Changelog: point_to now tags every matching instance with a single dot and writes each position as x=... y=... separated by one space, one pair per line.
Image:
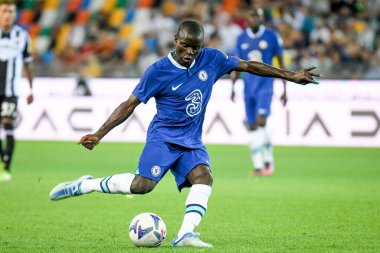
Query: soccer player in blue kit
x=259 y=43
x=181 y=84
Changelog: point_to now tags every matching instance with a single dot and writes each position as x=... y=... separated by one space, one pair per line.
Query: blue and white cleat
x=190 y=239
x=68 y=189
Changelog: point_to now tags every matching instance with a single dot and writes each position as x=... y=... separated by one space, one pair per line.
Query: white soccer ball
x=147 y=230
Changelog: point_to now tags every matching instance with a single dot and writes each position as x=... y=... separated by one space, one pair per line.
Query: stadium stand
x=120 y=38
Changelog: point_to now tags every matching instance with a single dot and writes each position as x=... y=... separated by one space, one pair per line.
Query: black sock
x=9 y=147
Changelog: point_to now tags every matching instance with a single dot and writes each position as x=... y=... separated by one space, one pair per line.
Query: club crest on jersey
x=263 y=44
x=202 y=75
x=155 y=170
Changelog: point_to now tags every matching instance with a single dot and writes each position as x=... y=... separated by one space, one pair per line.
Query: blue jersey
x=261 y=46
x=182 y=95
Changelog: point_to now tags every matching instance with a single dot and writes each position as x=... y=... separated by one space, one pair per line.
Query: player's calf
x=142 y=185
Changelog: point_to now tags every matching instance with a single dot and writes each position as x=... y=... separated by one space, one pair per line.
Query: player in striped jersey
x=14 y=54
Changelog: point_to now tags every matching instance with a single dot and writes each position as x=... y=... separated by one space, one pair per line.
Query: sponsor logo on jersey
x=195 y=105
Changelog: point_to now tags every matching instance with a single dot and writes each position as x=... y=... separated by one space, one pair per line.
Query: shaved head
x=192 y=28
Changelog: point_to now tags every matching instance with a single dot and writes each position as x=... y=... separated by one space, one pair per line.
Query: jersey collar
x=175 y=63
x=10 y=29
x=256 y=35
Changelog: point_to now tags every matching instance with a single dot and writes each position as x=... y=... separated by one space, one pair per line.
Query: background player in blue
x=181 y=84
x=259 y=43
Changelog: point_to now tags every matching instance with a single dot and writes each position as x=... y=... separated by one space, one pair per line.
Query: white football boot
x=68 y=189
x=190 y=239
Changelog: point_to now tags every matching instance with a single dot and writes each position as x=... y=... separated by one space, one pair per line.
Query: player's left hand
x=89 y=141
x=305 y=76
x=30 y=99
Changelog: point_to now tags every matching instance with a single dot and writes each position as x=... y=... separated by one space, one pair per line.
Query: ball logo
x=156 y=171
x=202 y=75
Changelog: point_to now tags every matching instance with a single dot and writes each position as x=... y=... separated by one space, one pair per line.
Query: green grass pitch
x=318 y=200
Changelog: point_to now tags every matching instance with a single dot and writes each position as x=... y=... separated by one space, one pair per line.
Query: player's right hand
x=89 y=141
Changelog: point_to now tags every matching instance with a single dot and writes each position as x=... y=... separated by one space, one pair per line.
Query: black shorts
x=8 y=107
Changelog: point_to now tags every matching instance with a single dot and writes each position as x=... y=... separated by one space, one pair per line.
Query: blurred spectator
x=82 y=88
x=321 y=33
x=228 y=31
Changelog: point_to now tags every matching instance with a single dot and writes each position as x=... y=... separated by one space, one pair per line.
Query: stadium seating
x=54 y=25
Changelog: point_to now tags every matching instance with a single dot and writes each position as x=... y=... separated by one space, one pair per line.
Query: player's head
x=7 y=13
x=255 y=18
x=188 y=41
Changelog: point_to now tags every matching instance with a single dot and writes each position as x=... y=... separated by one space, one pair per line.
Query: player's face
x=187 y=46
x=255 y=18
x=7 y=15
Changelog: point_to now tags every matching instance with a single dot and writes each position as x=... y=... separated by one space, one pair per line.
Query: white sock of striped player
x=268 y=147
x=119 y=183
x=196 y=205
x=256 y=145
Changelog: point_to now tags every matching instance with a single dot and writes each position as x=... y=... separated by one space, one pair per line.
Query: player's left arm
x=118 y=116
x=28 y=66
x=302 y=76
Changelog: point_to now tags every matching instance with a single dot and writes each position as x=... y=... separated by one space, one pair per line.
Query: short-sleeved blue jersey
x=261 y=46
x=182 y=95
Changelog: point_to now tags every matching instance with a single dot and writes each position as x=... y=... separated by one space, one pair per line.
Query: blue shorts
x=257 y=105
x=159 y=157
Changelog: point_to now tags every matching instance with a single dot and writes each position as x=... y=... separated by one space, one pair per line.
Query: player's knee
x=8 y=127
x=252 y=127
x=6 y=121
x=201 y=176
x=261 y=121
x=142 y=185
x=207 y=177
x=262 y=124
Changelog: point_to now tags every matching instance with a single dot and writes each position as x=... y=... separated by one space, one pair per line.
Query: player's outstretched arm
x=118 y=116
x=302 y=76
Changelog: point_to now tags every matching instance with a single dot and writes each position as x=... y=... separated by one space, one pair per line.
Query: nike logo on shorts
x=174 y=88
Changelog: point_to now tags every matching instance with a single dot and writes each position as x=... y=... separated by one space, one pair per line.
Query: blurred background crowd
x=121 y=38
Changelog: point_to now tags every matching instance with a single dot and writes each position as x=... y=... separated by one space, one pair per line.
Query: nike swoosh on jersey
x=176 y=87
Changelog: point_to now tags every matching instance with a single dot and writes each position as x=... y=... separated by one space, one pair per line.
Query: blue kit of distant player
x=261 y=46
